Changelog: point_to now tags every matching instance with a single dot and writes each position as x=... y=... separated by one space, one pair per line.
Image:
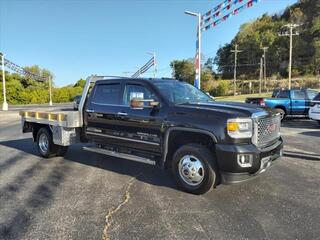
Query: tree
x=263 y=32
x=183 y=70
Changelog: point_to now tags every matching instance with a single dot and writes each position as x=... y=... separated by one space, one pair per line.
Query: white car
x=314 y=111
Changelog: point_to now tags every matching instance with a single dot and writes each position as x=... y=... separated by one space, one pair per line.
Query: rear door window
x=107 y=93
x=283 y=94
x=298 y=94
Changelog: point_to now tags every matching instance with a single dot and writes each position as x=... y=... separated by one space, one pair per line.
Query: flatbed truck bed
x=67 y=119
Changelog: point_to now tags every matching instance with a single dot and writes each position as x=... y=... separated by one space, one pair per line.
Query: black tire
x=210 y=170
x=282 y=113
x=50 y=150
x=62 y=150
x=319 y=122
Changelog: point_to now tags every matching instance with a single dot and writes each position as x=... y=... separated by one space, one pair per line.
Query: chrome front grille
x=266 y=130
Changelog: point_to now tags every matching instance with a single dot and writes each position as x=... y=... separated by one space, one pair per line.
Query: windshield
x=181 y=92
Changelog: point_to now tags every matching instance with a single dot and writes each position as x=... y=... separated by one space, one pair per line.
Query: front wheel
x=194 y=169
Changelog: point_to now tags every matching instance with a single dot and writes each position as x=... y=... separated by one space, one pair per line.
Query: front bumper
x=263 y=159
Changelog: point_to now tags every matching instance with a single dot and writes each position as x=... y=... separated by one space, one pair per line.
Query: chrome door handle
x=90 y=111
x=122 y=113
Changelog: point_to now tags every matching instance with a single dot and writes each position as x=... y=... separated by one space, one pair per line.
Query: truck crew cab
x=168 y=123
x=287 y=102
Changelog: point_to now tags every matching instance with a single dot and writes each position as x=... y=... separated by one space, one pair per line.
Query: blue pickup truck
x=287 y=102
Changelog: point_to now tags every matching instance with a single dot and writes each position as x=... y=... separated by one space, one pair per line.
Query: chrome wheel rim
x=191 y=170
x=43 y=143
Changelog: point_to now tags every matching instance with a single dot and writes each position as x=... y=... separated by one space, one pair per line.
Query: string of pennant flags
x=18 y=69
x=209 y=17
x=215 y=12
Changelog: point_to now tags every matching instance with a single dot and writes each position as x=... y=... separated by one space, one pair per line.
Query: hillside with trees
x=269 y=31
x=266 y=31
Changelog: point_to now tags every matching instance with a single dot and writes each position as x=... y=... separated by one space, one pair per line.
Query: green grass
x=241 y=98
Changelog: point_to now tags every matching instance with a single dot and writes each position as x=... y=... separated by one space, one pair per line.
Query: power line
x=144 y=68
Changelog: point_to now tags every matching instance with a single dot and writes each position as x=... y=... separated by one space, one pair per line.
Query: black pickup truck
x=168 y=123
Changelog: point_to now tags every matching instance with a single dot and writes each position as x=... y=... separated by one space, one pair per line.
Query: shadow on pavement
x=300 y=123
x=311 y=134
x=16 y=226
x=304 y=156
x=145 y=173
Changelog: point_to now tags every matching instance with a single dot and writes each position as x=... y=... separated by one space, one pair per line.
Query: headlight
x=240 y=128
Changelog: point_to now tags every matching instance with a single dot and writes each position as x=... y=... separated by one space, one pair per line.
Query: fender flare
x=170 y=129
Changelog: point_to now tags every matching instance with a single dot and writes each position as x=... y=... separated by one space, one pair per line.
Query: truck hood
x=232 y=109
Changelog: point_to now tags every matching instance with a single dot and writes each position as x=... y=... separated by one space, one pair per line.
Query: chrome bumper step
x=120 y=155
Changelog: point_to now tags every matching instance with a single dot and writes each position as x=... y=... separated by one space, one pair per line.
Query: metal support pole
x=235 y=72
x=199 y=49
x=290 y=57
x=4 y=104
x=50 y=91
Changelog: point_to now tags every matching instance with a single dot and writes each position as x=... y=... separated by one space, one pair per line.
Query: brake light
x=261 y=102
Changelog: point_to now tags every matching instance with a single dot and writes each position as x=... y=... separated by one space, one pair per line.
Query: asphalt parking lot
x=91 y=196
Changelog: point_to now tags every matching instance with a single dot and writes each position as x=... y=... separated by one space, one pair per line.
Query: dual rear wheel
x=45 y=144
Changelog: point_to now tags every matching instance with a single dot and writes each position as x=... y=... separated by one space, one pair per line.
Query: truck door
x=102 y=112
x=298 y=102
x=140 y=127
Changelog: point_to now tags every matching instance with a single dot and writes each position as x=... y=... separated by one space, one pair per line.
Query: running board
x=120 y=155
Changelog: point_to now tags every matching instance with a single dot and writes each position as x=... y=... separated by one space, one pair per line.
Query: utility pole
x=235 y=51
x=4 y=104
x=291 y=26
x=173 y=70
x=261 y=75
x=198 y=50
x=265 y=66
x=50 y=90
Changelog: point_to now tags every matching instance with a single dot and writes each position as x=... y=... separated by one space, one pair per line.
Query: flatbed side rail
x=67 y=119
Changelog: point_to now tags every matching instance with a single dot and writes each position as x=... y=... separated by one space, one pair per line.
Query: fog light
x=245 y=160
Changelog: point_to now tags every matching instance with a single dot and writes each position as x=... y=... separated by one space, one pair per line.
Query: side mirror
x=137 y=103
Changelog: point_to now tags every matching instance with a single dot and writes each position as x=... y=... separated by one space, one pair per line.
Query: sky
x=77 y=38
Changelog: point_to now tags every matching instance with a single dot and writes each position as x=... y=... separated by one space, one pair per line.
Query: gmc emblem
x=271 y=128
